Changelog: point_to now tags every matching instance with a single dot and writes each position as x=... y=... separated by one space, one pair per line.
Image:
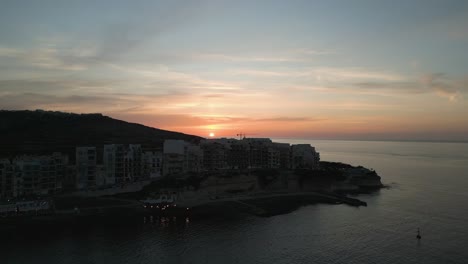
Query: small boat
x=162 y=202
x=418 y=236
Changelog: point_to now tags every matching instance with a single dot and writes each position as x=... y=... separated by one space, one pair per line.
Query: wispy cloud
x=354 y=73
x=285 y=56
x=92 y=103
x=233 y=58
x=288 y=119
x=359 y=81
x=265 y=73
x=226 y=125
x=54 y=58
x=314 y=52
x=324 y=74
x=444 y=86
x=151 y=96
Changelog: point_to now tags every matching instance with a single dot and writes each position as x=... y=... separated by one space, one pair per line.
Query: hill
x=44 y=132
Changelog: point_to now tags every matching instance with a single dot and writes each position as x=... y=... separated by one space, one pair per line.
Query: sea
x=427 y=188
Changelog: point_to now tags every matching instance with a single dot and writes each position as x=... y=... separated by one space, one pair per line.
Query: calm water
x=428 y=189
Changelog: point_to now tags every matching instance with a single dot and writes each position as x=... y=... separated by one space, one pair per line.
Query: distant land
x=251 y=175
x=44 y=132
x=378 y=140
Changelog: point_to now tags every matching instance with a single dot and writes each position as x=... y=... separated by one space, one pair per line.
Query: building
x=70 y=178
x=238 y=155
x=273 y=158
x=29 y=173
x=101 y=177
x=8 y=180
x=123 y=164
x=215 y=154
x=258 y=154
x=60 y=162
x=304 y=156
x=86 y=162
x=247 y=153
x=263 y=154
x=40 y=175
x=284 y=154
x=153 y=164
x=174 y=157
x=134 y=164
x=181 y=157
x=193 y=158
x=114 y=165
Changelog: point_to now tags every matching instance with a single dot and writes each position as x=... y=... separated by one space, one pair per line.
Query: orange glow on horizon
x=331 y=128
x=320 y=126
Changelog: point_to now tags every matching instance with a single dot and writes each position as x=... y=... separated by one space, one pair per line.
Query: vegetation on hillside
x=44 y=132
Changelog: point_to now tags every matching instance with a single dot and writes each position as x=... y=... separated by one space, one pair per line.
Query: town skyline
x=309 y=70
x=122 y=165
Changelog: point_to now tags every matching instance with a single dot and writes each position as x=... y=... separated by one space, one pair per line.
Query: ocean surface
x=427 y=188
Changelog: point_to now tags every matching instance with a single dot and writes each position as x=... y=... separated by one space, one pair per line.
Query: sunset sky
x=392 y=70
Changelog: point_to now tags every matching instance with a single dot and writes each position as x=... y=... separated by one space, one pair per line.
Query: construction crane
x=242 y=135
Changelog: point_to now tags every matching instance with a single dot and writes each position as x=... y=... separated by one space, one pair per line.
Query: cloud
x=264 y=73
x=445 y=86
x=220 y=120
x=312 y=52
x=354 y=73
x=54 y=58
x=401 y=87
x=324 y=74
x=163 y=76
x=9 y=52
x=214 y=95
x=190 y=121
x=234 y=58
x=43 y=101
x=43 y=86
x=439 y=83
x=288 y=119
x=112 y=77
x=358 y=80
x=90 y=102
x=146 y=25
x=160 y=120
x=170 y=92
x=57 y=86
x=287 y=56
x=112 y=40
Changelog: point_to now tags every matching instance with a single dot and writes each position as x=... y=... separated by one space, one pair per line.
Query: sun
x=212 y=134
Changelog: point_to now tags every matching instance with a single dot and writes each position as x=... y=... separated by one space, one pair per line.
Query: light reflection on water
x=427 y=189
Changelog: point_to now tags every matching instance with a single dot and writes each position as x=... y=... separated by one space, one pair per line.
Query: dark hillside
x=43 y=132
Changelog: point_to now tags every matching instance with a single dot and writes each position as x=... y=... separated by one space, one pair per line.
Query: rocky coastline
x=259 y=193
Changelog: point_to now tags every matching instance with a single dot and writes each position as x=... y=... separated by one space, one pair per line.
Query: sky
x=364 y=70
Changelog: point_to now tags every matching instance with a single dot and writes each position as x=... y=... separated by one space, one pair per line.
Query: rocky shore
x=261 y=193
x=265 y=205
